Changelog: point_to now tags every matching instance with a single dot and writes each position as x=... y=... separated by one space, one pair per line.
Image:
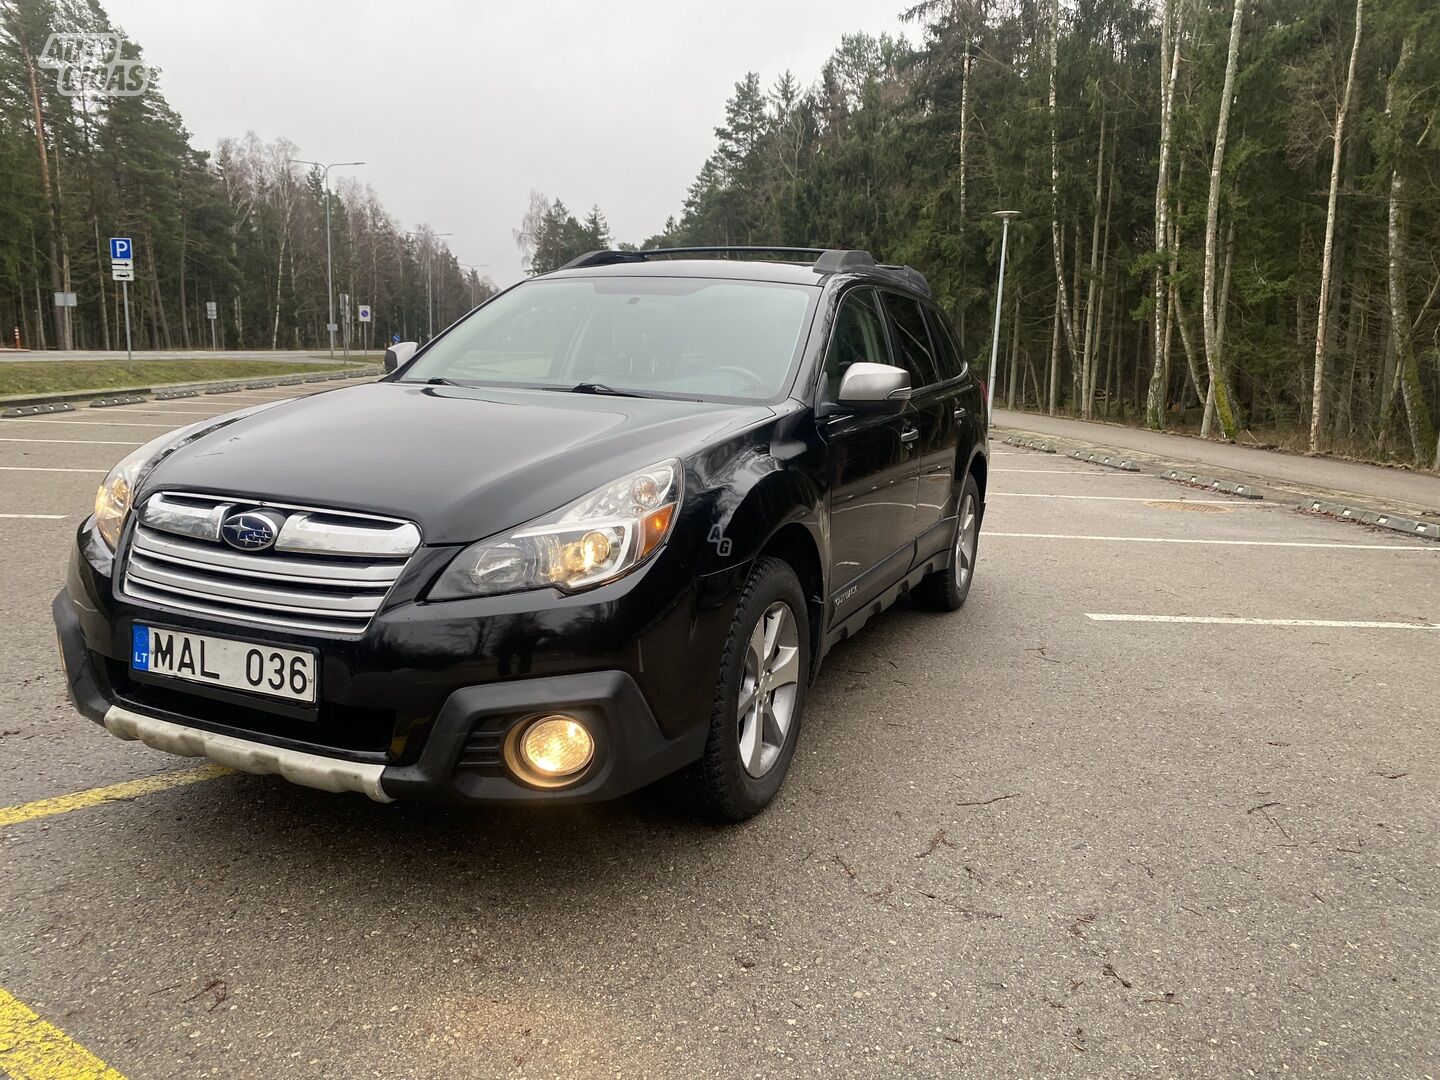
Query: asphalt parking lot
x=1017 y=841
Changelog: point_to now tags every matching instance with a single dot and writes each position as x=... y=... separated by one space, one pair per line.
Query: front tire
x=759 y=696
x=947 y=588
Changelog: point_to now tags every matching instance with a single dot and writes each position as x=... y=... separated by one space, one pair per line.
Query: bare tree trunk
x=1222 y=308
x=1402 y=330
x=1092 y=299
x=1208 y=317
x=163 y=321
x=1055 y=354
x=1055 y=237
x=964 y=127
x=100 y=278
x=1014 y=353
x=1201 y=391
x=1322 y=313
x=1169 y=71
x=46 y=190
x=279 y=280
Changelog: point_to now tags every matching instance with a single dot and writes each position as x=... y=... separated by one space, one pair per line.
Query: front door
x=873 y=471
x=934 y=403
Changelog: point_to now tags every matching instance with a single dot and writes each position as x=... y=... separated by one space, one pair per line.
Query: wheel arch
x=794 y=544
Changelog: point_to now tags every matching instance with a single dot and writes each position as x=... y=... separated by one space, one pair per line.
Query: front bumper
x=420 y=706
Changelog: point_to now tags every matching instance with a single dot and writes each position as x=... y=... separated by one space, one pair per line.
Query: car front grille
x=327 y=570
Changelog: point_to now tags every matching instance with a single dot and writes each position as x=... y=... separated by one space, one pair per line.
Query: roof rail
x=825 y=260
x=734 y=249
x=836 y=260
x=602 y=258
x=909 y=275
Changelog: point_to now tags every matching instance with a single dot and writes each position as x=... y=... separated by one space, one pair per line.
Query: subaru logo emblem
x=251 y=530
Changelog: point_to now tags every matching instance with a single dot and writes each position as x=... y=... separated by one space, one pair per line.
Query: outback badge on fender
x=252 y=530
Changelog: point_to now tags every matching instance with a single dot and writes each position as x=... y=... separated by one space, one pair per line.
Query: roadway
x=1301 y=472
x=110 y=355
x=1074 y=829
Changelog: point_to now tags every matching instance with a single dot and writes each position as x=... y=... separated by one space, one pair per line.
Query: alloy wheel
x=768 y=689
x=966 y=535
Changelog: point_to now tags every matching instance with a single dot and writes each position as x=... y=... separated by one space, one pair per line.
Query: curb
x=1210 y=483
x=22 y=401
x=1031 y=444
x=1380 y=518
x=34 y=410
x=1099 y=457
x=106 y=403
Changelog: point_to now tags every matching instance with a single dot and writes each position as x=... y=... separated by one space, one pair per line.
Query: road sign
x=364 y=312
x=121 y=248
x=123 y=264
x=65 y=299
x=332 y=327
x=122 y=273
x=210 y=309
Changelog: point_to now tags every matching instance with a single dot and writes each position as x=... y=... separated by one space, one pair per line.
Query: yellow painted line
x=130 y=789
x=33 y=1049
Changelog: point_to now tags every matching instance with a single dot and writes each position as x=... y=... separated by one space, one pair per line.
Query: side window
x=912 y=340
x=952 y=364
x=859 y=335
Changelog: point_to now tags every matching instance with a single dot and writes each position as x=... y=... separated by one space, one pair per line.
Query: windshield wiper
x=598 y=388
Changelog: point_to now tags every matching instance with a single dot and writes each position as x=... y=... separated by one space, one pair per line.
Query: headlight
x=593 y=540
x=113 y=500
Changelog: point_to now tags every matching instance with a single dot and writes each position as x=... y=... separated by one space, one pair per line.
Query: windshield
x=666 y=337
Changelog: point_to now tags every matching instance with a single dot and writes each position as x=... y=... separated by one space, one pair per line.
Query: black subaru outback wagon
x=603 y=528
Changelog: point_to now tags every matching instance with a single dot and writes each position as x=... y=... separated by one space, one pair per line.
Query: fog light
x=556 y=747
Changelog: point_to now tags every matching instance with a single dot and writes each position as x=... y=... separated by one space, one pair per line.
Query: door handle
x=960 y=413
x=909 y=435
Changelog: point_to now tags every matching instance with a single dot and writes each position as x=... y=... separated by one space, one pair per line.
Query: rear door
x=933 y=400
x=873 y=481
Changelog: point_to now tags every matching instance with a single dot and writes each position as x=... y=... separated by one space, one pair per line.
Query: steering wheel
x=735 y=369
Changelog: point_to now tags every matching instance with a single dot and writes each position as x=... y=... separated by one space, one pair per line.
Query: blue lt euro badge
x=140 y=648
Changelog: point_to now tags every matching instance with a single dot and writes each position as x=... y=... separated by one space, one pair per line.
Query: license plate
x=235 y=665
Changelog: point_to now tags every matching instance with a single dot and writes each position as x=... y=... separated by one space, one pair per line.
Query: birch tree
x=1322 y=313
x=1171 y=25
x=1215 y=371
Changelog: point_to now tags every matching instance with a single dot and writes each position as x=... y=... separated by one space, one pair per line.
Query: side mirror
x=868 y=387
x=398 y=354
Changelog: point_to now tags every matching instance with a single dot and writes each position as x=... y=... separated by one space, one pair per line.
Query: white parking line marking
x=77 y=442
x=36 y=468
x=1122 y=498
x=35 y=517
x=1236 y=543
x=1066 y=472
x=87 y=423
x=1219 y=620
x=169 y=412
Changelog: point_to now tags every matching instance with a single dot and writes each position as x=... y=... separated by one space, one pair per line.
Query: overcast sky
x=460 y=109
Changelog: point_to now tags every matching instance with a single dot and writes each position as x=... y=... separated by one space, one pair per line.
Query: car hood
x=463 y=463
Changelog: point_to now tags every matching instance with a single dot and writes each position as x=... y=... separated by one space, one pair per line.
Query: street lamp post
x=430 y=283
x=329 y=267
x=1004 y=216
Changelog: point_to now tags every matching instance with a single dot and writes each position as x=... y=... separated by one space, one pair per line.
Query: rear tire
x=759 y=695
x=946 y=589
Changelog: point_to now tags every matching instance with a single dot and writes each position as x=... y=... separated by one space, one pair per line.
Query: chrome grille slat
x=232 y=592
x=137 y=592
x=225 y=560
x=346 y=567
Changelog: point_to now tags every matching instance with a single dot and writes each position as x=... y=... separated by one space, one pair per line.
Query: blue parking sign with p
x=121 y=248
